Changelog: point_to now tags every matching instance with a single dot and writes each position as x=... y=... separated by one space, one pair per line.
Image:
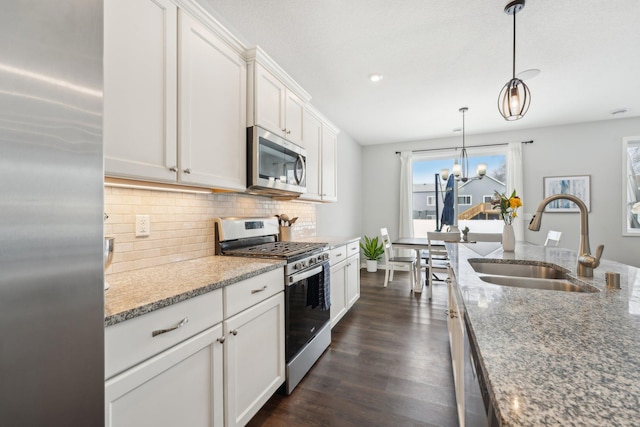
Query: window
x=631 y=186
x=426 y=191
x=464 y=200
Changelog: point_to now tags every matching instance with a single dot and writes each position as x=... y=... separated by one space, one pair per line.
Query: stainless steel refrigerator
x=51 y=213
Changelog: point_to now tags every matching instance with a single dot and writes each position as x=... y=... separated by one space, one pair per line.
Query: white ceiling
x=438 y=56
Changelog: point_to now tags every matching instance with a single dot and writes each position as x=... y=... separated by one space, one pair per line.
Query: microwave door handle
x=304 y=275
x=303 y=167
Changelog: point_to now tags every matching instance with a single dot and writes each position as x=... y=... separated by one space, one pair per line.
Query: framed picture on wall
x=579 y=186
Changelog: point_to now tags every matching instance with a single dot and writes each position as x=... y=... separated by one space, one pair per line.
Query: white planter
x=372 y=265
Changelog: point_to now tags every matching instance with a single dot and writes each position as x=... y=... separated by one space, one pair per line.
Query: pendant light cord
x=514 y=41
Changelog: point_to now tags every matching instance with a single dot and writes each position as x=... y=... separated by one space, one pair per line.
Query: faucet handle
x=591 y=261
x=599 y=251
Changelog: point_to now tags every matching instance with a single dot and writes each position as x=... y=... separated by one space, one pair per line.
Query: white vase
x=508 y=238
x=372 y=265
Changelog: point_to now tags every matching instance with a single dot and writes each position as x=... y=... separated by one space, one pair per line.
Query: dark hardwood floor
x=388 y=365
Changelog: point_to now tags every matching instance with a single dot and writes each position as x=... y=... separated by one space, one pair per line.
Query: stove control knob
x=297 y=266
x=304 y=263
x=312 y=260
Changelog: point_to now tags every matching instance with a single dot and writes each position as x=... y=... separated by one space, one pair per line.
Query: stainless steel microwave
x=275 y=166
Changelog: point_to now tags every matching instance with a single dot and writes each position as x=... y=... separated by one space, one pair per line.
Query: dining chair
x=484 y=237
x=438 y=260
x=553 y=238
x=392 y=261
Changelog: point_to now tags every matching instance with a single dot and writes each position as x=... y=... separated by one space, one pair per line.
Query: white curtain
x=515 y=181
x=405 y=226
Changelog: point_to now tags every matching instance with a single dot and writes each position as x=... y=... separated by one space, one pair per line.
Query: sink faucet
x=586 y=261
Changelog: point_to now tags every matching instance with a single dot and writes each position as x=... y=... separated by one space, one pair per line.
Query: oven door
x=275 y=165
x=304 y=316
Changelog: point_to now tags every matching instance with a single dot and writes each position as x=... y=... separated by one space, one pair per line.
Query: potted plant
x=464 y=234
x=372 y=250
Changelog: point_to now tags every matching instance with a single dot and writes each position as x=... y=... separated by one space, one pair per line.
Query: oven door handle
x=305 y=274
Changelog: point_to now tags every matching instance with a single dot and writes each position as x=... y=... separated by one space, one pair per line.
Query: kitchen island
x=554 y=357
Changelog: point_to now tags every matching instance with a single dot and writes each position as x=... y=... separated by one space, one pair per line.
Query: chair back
x=444 y=236
x=386 y=243
x=484 y=237
x=553 y=238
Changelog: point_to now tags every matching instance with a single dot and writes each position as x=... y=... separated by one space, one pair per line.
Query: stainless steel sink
x=520 y=270
x=535 y=283
x=531 y=275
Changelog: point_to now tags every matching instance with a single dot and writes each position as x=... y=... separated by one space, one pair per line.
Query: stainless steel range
x=306 y=283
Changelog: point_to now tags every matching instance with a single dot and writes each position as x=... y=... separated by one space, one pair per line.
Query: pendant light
x=461 y=166
x=515 y=97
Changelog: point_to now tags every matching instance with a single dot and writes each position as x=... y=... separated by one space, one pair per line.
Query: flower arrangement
x=508 y=206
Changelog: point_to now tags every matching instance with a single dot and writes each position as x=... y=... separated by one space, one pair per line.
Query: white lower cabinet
x=254 y=358
x=455 y=324
x=212 y=360
x=338 y=294
x=345 y=279
x=180 y=386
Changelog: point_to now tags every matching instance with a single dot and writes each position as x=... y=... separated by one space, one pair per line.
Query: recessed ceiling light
x=375 y=77
x=619 y=111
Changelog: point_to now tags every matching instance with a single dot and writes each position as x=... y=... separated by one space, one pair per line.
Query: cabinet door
x=179 y=387
x=338 y=292
x=294 y=112
x=455 y=325
x=140 y=40
x=254 y=358
x=212 y=110
x=311 y=141
x=353 y=280
x=269 y=93
x=329 y=165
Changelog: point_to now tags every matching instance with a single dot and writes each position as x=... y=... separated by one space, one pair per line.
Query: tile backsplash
x=182 y=223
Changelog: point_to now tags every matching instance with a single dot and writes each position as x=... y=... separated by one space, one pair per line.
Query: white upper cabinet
x=140 y=86
x=159 y=78
x=275 y=102
x=212 y=109
x=320 y=139
x=312 y=142
x=329 y=164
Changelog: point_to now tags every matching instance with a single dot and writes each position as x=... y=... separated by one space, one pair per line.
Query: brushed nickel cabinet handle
x=164 y=331
x=187 y=170
x=255 y=291
x=234 y=332
x=173 y=169
x=220 y=340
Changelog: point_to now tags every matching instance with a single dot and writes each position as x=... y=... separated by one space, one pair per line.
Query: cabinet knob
x=187 y=170
x=288 y=132
x=234 y=332
x=173 y=169
x=221 y=340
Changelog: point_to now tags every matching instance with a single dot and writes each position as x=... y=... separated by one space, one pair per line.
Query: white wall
x=344 y=218
x=582 y=149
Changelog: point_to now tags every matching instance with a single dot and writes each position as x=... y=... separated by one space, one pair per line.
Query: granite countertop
x=134 y=293
x=553 y=357
x=332 y=241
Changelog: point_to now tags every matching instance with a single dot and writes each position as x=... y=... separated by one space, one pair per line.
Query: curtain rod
x=456 y=148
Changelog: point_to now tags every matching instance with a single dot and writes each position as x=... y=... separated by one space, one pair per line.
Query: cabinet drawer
x=130 y=342
x=338 y=254
x=244 y=294
x=353 y=248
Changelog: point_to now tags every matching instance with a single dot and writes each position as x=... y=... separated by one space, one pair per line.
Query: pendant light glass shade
x=514 y=100
x=515 y=97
